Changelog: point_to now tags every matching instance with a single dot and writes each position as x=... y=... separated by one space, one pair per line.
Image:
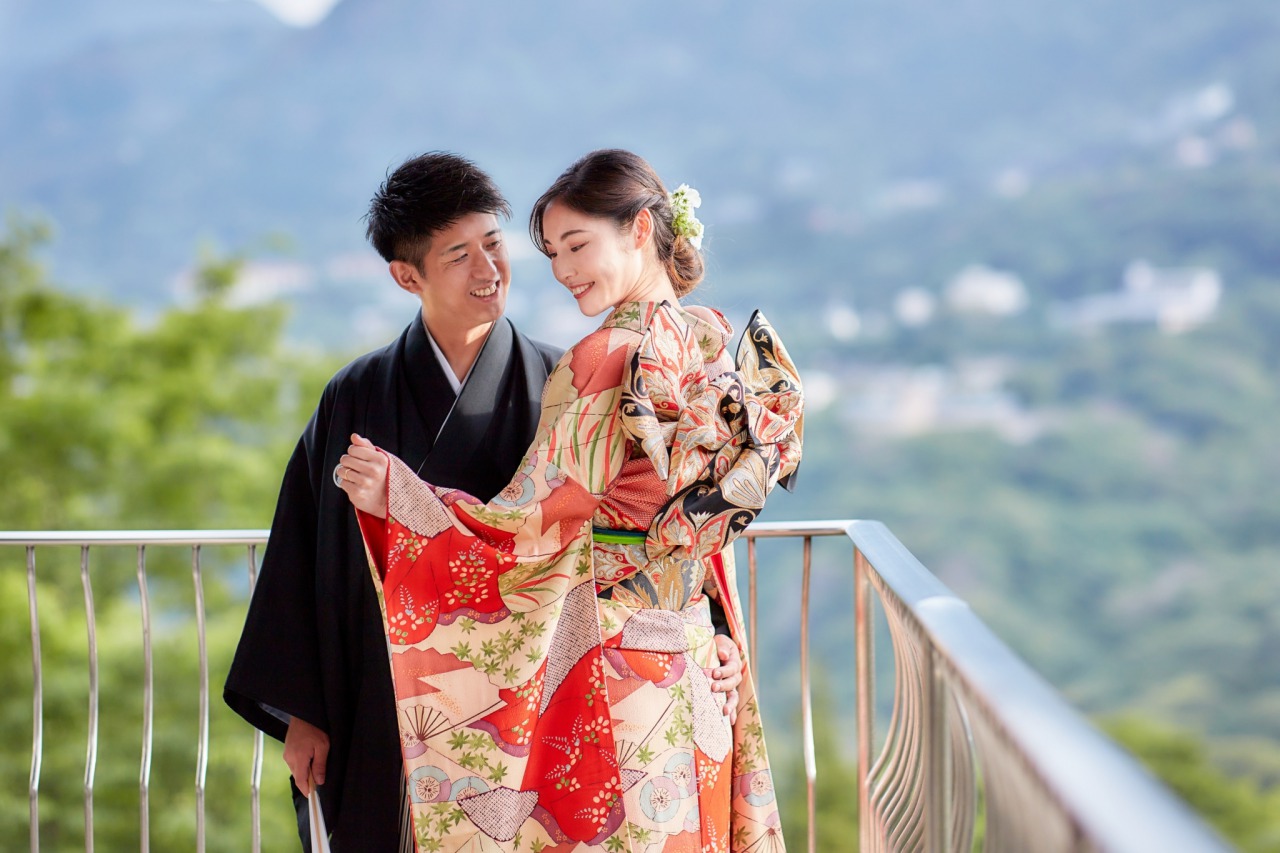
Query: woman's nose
x=559 y=269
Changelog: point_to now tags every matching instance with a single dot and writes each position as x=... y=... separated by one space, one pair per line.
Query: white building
x=978 y=289
x=1172 y=299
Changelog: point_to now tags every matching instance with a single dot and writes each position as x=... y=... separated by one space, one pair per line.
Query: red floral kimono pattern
x=550 y=688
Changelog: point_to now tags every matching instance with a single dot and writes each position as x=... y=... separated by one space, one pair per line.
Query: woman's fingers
x=368 y=467
x=362 y=474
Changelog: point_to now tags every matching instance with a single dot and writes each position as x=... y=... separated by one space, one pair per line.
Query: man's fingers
x=318 y=762
x=360 y=440
x=299 y=771
x=306 y=750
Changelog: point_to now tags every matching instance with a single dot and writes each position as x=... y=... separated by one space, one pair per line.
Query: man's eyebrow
x=463 y=244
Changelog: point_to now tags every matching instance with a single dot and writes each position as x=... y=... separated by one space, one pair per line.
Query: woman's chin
x=591 y=308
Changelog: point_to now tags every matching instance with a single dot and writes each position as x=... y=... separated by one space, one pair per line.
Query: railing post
x=806 y=699
x=864 y=660
x=202 y=746
x=255 y=781
x=148 y=705
x=91 y=750
x=936 y=772
x=37 y=711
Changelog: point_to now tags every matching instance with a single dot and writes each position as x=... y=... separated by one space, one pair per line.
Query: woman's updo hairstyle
x=616 y=184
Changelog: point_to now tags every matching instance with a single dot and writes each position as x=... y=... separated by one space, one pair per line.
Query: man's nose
x=484 y=266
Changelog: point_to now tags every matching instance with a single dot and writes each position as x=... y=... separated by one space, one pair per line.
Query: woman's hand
x=726 y=677
x=362 y=474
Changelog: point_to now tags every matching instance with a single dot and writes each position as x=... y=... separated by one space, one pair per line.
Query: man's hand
x=726 y=677
x=306 y=751
x=362 y=474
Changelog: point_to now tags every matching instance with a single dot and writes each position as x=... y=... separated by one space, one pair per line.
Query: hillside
x=1103 y=492
x=143 y=131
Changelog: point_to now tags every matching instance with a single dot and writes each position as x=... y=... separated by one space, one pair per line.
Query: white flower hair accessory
x=684 y=222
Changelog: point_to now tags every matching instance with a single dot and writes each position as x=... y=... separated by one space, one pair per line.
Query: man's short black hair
x=423 y=196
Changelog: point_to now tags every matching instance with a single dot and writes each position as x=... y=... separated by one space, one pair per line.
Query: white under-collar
x=454 y=382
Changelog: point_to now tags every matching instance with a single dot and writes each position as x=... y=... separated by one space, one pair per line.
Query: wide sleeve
x=441 y=554
x=276 y=671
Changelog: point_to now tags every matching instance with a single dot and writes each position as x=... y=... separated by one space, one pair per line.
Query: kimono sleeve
x=457 y=550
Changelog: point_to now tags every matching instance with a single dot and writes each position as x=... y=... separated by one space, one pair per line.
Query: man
x=457 y=395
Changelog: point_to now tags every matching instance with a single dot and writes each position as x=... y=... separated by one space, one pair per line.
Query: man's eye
x=495 y=244
x=457 y=260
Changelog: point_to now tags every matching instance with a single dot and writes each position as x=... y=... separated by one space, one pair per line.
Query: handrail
x=33 y=538
x=974 y=729
x=1111 y=802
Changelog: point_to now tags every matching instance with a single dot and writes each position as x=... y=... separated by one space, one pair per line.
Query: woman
x=548 y=647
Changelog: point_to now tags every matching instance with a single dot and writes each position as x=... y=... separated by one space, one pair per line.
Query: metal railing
x=140 y=540
x=976 y=753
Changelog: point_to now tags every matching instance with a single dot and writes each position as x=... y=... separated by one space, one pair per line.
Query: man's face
x=465 y=274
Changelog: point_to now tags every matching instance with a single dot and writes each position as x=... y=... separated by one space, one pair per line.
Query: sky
x=299 y=13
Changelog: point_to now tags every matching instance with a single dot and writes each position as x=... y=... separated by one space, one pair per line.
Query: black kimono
x=313 y=645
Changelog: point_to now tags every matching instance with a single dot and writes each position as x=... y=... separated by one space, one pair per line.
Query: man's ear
x=407 y=276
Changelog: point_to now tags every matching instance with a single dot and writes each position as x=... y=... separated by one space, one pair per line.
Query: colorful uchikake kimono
x=548 y=648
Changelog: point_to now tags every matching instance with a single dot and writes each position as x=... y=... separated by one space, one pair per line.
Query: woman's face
x=600 y=265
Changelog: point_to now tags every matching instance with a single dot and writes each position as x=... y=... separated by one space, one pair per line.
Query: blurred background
x=1026 y=254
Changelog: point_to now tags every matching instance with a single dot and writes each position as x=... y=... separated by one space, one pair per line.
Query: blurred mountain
x=141 y=128
x=918 y=193
x=35 y=35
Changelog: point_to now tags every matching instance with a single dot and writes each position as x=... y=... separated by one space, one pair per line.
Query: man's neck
x=460 y=345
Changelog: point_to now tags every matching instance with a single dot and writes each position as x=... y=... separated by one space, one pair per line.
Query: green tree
x=108 y=421
x=836 y=785
x=1243 y=812
x=182 y=421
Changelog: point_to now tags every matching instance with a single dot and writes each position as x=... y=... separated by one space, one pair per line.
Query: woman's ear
x=642 y=227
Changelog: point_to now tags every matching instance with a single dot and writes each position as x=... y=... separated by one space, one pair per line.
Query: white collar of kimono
x=454 y=382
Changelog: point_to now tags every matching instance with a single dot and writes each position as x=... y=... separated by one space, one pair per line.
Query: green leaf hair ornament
x=684 y=222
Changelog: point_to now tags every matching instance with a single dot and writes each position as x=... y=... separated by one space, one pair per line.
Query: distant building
x=978 y=289
x=914 y=307
x=843 y=322
x=1172 y=299
x=904 y=400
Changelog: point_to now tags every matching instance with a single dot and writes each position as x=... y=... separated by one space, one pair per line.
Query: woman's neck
x=653 y=286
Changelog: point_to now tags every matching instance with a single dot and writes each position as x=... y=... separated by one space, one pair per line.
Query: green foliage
x=109 y=422
x=1244 y=812
x=836 y=784
x=182 y=421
